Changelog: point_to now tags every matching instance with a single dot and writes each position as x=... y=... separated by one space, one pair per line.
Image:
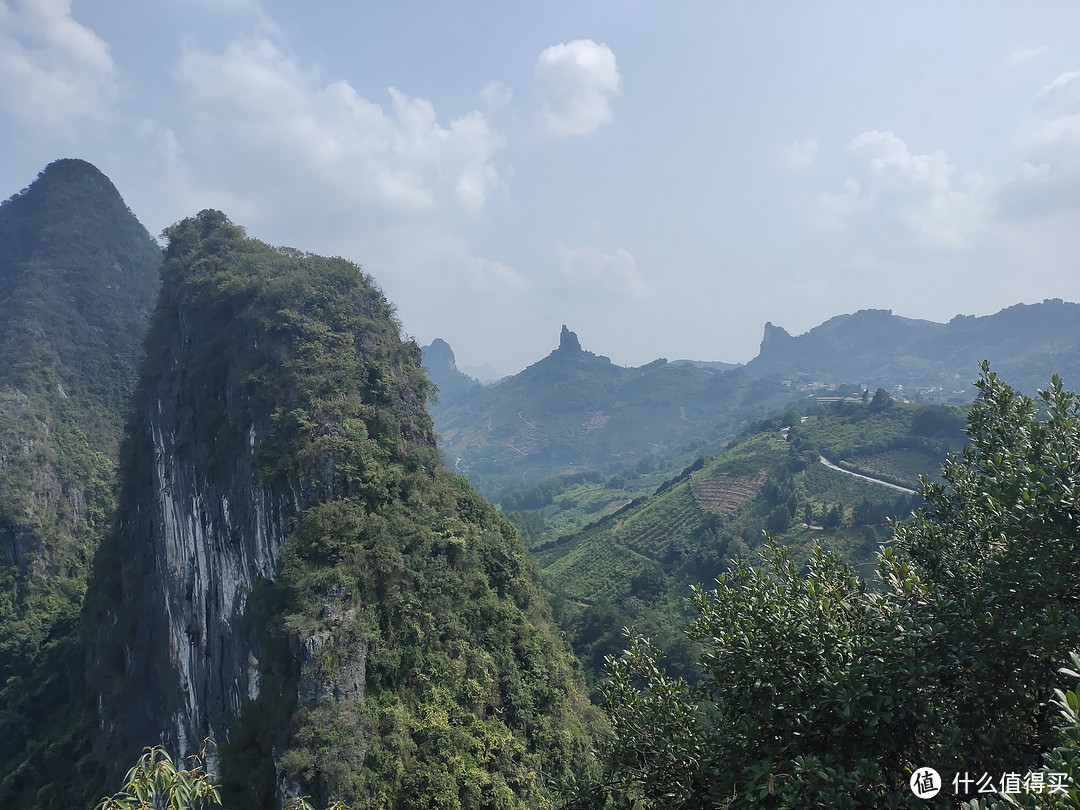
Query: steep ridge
x=78 y=277
x=294 y=574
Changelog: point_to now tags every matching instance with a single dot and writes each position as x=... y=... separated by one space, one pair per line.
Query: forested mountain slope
x=296 y=575
x=78 y=278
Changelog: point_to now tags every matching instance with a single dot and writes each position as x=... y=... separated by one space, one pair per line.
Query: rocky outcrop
x=452 y=383
x=774 y=338
x=273 y=381
x=568 y=341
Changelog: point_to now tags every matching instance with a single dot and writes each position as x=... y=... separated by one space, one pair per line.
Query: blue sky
x=662 y=178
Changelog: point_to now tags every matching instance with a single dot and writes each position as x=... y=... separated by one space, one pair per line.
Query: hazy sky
x=661 y=177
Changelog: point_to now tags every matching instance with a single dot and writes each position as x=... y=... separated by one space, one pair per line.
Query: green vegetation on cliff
x=406 y=654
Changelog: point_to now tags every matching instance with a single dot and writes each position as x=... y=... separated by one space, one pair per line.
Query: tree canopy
x=818 y=689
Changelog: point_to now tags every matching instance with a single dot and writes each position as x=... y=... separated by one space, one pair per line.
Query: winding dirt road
x=832 y=466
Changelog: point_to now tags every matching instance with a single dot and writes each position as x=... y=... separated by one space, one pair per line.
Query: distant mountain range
x=576 y=411
x=1025 y=344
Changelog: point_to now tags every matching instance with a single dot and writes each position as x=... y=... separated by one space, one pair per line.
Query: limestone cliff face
x=198 y=529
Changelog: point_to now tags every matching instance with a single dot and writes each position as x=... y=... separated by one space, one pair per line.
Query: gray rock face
x=324 y=672
x=568 y=341
x=177 y=652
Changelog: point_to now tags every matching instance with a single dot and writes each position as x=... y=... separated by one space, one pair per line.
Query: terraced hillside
x=722 y=493
x=632 y=567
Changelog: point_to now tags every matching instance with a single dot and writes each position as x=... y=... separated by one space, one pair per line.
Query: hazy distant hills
x=439 y=360
x=712 y=365
x=576 y=411
x=1025 y=344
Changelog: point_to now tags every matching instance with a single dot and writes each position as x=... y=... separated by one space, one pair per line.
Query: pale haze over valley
x=662 y=179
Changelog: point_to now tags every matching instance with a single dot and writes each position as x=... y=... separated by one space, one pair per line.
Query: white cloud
x=1048 y=179
x=577 y=81
x=54 y=72
x=1055 y=128
x=496 y=96
x=492 y=276
x=614 y=273
x=276 y=120
x=916 y=194
x=920 y=194
x=1063 y=91
x=171 y=169
x=1022 y=55
x=798 y=155
x=891 y=160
